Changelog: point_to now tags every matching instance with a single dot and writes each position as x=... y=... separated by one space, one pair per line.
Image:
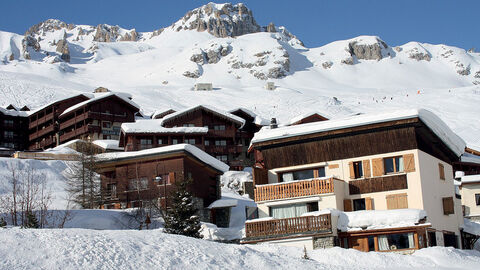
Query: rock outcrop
x=62 y=49
x=106 y=33
x=366 y=51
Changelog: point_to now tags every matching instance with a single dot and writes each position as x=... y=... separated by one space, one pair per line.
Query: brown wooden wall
x=378 y=184
x=340 y=147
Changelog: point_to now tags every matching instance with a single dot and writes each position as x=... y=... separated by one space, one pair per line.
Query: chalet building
x=130 y=179
x=470 y=193
x=210 y=129
x=97 y=118
x=374 y=164
x=13 y=126
x=307 y=118
x=161 y=114
x=43 y=122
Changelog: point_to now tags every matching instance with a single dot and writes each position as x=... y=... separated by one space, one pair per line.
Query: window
x=448 y=205
x=357 y=169
x=8 y=123
x=303 y=174
x=175 y=141
x=223 y=158
x=393 y=164
x=112 y=190
x=371 y=243
x=107 y=137
x=160 y=141
x=207 y=142
x=450 y=239
x=219 y=127
x=441 y=171
x=145 y=141
x=8 y=134
x=289 y=211
x=396 y=241
x=477 y=198
x=190 y=141
x=106 y=124
x=359 y=204
x=138 y=184
x=164 y=180
x=312 y=207
x=432 y=239
x=188 y=125
x=221 y=142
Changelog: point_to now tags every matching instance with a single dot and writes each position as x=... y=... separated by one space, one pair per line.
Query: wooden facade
x=13 y=129
x=99 y=119
x=378 y=184
x=43 y=123
x=224 y=139
x=130 y=182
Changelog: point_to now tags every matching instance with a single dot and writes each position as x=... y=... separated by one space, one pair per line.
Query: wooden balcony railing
x=41 y=132
x=293 y=189
x=40 y=120
x=283 y=227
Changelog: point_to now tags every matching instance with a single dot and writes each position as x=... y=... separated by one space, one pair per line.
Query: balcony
x=41 y=120
x=293 y=189
x=275 y=228
x=378 y=184
x=41 y=132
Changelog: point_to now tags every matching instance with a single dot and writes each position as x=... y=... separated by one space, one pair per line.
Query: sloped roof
x=88 y=96
x=101 y=96
x=452 y=140
x=226 y=115
x=193 y=150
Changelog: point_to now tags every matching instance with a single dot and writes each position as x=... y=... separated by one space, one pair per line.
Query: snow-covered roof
x=303 y=116
x=13 y=112
x=452 y=140
x=155 y=126
x=196 y=152
x=470 y=158
x=374 y=219
x=162 y=112
x=59 y=100
x=223 y=203
x=100 y=96
x=250 y=113
x=471 y=227
x=108 y=144
x=213 y=110
x=471 y=179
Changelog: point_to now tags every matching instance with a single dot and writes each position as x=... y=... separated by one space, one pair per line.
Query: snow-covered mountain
x=224 y=45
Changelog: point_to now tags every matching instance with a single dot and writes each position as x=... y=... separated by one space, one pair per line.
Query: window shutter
x=377 y=164
x=171 y=177
x=352 y=170
x=347 y=205
x=260 y=176
x=397 y=201
x=366 y=168
x=441 y=171
x=409 y=163
x=368 y=203
x=448 y=205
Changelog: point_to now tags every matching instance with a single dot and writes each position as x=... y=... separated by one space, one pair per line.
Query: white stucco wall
x=468 y=192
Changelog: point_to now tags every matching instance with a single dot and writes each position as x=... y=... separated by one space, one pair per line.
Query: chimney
x=273 y=123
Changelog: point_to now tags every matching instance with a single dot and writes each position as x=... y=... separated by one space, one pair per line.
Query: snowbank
x=151 y=249
x=108 y=144
x=233 y=180
x=471 y=178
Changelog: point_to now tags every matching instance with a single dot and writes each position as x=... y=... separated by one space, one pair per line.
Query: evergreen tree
x=32 y=221
x=182 y=217
x=3 y=223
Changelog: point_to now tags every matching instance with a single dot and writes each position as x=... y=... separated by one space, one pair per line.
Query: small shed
x=203 y=87
x=270 y=86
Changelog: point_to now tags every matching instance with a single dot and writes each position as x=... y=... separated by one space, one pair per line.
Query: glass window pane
x=399 y=164
x=388 y=162
x=321 y=172
x=300 y=175
x=371 y=243
x=287 y=177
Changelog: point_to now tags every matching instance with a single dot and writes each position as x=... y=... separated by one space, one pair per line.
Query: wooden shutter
x=448 y=206
x=366 y=168
x=368 y=203
x=409 y=163
x=347 y=205
x=352 y=170
x=397 y=201
x=171 y=177
x=441 y=171
x=377 y=164
x=260 y=176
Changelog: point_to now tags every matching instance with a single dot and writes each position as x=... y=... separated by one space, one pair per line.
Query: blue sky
x=315 y=22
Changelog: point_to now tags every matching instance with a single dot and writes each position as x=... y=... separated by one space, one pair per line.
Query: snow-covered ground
x=152 y=249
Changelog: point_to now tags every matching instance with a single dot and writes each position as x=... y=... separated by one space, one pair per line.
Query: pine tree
x=182 y=217
x=32 y=221
x=3 y=223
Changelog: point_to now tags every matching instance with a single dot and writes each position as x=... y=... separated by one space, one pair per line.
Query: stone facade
x=325 y=242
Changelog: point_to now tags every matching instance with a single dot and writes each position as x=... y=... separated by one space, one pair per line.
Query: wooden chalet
x=208 y=128
x=97 y=118
x=245 y=134
x=368 y=162
x=13 y=127
x=43 y=122
x=130 y=179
